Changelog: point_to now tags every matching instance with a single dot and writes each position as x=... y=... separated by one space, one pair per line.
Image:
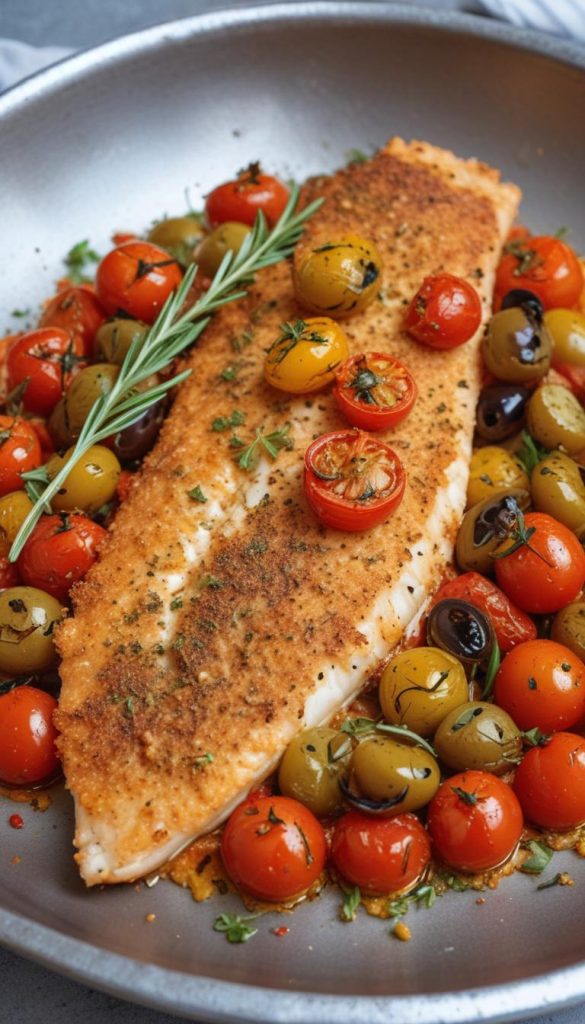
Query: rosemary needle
x=174 y=330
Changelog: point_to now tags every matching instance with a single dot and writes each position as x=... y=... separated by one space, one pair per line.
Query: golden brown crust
x=274 y=597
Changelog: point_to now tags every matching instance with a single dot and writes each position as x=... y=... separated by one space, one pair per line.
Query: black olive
x=500 y=411
x=525 y=299
x=136 y=440
x=461 y=630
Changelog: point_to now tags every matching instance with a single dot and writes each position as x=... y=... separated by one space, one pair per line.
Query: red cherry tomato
x=241 y=199
x=511 y=626
x=59 y=552
x=352 y=480
x=78 y=311
x=374 y=391
x=543 y=265
x=541 y=684
x=274 y=848
x=545 y=573
x=475 y=821
x=381 y=855
x=48 y=359
x=9 y=574
x=137 y=278
x=45 y=440
x=550 y=782
x=19 y=451
x=445 y=312
x=27 y=736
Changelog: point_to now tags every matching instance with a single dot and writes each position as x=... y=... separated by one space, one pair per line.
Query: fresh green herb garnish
x=78 y=260
x=196 y=494
x=530 y=453
x=271 y=443
x=203 y=760
x=351 y=902
x=20 y=312
x=235 y=927
x=174 y=331
x=540 y=857
x=491 y=671
x=551 y=881
x=360 y=726
x=356 y=156
x=235 y=419
x=290 y=335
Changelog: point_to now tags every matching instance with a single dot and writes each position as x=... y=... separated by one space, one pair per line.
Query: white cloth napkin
x=17 y=60
x=560 y=17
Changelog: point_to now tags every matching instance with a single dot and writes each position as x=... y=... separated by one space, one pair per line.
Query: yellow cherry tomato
x=567 y=330
x=420 y=687
x=14 y=508
x=305 y=355
x=338 y=278
x=90 y=484
x=492 y=469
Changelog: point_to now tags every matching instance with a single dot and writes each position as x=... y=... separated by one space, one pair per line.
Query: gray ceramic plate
x=111 y=139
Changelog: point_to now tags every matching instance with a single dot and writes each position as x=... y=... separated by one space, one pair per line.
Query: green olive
x=14 y=508
x=557 y=488
x=493 y=469
x=338 y=278
x=90 y=484
x=568 y=628
x=517 y=346
x=312 y=765
x=485 y=526
x=555 y=417
x=211 y=250
x=403 y=777
x=27 y=617
x=85 y=388
x=179 y=235
x=479 y=736
x=420 y=686
x=113 y=339
x=567 y=330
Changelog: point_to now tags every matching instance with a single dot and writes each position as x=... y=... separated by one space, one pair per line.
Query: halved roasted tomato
x=374 y=391
x=352 y=480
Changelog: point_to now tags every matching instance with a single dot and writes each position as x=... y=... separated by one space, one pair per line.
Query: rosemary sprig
x=174 y=331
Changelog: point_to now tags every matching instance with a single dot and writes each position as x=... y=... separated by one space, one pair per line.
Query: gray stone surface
x=28 y=993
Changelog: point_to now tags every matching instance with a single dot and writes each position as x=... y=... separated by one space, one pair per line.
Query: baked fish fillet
x=211 y=631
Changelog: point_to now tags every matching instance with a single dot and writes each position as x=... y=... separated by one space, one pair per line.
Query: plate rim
x=68 y=68
x=220 y=1000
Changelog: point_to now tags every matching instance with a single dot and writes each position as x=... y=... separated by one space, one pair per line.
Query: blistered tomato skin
x=241 y=199
x=444 y=313
x=511 y=625
x=59 y=552
x=304 y=356
x=550 y=782
x=20 y=450
x=541 y=684
x=475 y=821
x=76 y=310
x=339 y=278
x=137 y=278
x=543 y=265
x=274 y=848
x=44 y=362
x=545 y=574
x=381 y=855
x=27 y=737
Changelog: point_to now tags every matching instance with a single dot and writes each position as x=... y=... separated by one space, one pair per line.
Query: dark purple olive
x=136 y=440
x=501 y=411
x=462 y=630
x=523 y=298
